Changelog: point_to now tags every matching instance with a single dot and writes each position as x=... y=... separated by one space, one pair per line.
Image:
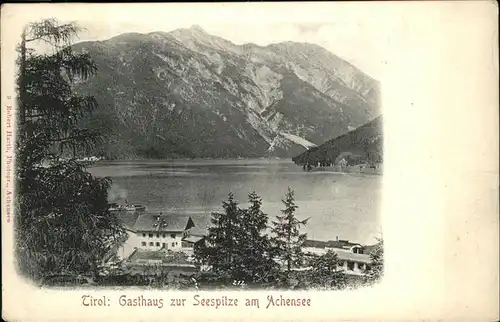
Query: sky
x=353 y=42
x=360 y=33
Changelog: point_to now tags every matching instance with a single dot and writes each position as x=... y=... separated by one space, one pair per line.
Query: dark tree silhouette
x=287 y=240
x=219 y=250
x=237 y=248
x=254 y=244
x=62 y=219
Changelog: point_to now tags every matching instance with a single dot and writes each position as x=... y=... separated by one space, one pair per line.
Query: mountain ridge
x=361 y=145
x=236 y=98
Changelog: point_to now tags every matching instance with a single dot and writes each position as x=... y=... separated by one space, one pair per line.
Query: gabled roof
x=128 y=219
x=163 y=223
x=342 y=244
x=196 y=231
x=202 y=221
x=194 y=234
x=314 y=243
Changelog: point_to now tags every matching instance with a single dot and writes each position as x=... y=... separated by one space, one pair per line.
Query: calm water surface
x=343 y=205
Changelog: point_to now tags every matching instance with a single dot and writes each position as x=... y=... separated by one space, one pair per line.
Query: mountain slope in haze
x=190 y=94
x=364 y=144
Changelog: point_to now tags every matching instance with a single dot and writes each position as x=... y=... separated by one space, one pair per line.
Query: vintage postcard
x=250 y=161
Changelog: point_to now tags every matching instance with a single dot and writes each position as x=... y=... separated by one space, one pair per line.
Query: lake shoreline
x=340 y=204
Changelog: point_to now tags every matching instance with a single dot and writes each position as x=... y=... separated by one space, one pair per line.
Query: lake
x=346 y=205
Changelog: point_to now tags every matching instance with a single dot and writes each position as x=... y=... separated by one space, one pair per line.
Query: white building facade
x=154 y=232
x=152 y=240
x=351 y=256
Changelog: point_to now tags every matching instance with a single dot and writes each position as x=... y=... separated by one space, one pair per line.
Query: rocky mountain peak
x=197 y=28
x=187 y=93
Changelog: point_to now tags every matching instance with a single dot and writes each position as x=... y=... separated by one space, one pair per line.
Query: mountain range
x=189 y=94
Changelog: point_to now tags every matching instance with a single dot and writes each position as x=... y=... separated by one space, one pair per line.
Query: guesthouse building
x=158 y=231
x=353 y=259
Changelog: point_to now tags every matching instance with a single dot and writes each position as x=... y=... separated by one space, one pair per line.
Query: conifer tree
x=62 y=220
x=219 y=252
x=287 y=240
x=253 y=242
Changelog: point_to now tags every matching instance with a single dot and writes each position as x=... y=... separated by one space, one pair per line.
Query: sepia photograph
x=181 y=159
x=251 y=161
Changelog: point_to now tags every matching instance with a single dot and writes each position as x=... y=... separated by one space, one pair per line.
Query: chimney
x=337 y=238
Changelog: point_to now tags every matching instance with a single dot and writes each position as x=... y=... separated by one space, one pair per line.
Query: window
x=357 y=250
x=157 y=244
x=151 y=243
x=150 y=235
x=164 y=245
x=164 y=235
x=157 y=235
x=172 y=236
x=143 y=243
x=350 y=266
x=173 y=244
x=143 y=234
x=361 y=266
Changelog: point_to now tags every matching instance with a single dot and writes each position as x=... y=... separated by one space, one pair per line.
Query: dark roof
x=196 y=231
x=128 y=219
x=201 y=220
x=340 y=244
x=169 y=223
x=194 y=234
x=192 y=239
x=314 y=243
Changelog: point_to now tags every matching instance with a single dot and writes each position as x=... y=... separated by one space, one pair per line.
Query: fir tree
x=219 y=251
x=253 y=242
x=287 y=239
x=62 y=220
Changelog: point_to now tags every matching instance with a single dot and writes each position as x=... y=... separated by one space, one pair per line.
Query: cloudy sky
x=360 y=33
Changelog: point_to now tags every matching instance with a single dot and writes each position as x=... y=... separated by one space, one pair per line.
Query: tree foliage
x=242 y=248
x=219 y=249
x=62 y=220
x=366 y=142
x=376 y=269
x=326 y=273
x=237 y=247
x=287 y=240
x=254 y=243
